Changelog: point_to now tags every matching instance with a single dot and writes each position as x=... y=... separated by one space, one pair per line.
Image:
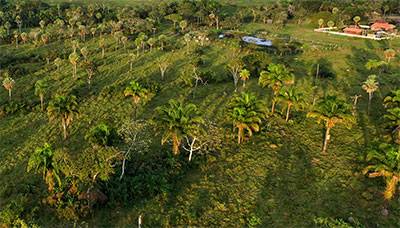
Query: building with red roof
x=382 y=26
x=353 y=30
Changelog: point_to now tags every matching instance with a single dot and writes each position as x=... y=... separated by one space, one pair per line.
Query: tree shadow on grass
x=302 y=184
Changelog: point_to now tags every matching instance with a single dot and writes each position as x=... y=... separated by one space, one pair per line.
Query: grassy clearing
x=277 y=179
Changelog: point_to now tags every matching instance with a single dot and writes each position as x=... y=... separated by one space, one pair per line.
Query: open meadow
x=273 y=175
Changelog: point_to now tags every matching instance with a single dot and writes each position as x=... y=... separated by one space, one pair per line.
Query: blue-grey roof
x=257 y=41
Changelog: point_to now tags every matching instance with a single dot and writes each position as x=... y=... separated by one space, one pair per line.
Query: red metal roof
x=382 y=26
x=353 y=30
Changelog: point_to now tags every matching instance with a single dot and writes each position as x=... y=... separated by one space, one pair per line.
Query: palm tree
x=246 y=113
x=331 y=111
x=183 y=24
x=385 y=162
x=177 y=120
x=330 y=24
x=276 y=77
x=64 y=108
x=58 y=62
x=91 y=70
x=151 y=42
x=18 y=20
x=163 y=64
x=132 y=58
x=356 y=19
x=40 y=90
x=124 y=41
x=244 y=76
x=162 y=38
x=74 y=59
x=321 y=23
x=8 y=84
x=370 y=86
x=42 y=160
x=389 y=54
x=291 y=97
x=85 y=52
x=137 y=92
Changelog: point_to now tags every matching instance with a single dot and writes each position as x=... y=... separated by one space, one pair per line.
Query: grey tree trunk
x=326 y=140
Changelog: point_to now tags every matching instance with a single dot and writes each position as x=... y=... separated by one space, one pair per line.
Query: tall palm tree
x=42 y=160
x=385 y=162
x=151 y=42
x=41 y=87
x=246 y=113
x=292 y=97
x=370 y=86
x=389 y=54
x=58 y=62
x=91 y=70
x=331 y=111
x=85 y=53
x=162 y=38
x=244 y=76
x=8 y=84
x=63 y=108
x=177 y=120
x=275 y=77
x=74 y=59
x=137 y=92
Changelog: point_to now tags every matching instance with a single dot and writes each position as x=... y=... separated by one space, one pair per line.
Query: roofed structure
x=353 y=30
x=382 y=25
x=257 y=41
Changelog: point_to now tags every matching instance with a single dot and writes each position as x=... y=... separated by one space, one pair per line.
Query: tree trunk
x=131 y=66
x=369 y=102
x=326 y=140
x=102 y=53
x=288 y=112
x=64 y=125
x=240 y=132
x=41 y=102
x=134 y=111
x=162 y=74
x=175 y=144
x=317 y=73
x=75 y=70
x=9 y=94
x=191 y=149
x=273 y=106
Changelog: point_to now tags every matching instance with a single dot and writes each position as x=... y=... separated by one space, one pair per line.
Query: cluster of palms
x=384 y=160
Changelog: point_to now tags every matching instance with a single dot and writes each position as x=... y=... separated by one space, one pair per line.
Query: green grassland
x=279 y=178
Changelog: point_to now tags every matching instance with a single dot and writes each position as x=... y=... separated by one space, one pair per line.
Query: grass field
x=277 y=179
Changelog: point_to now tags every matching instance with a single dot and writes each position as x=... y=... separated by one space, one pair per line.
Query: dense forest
x=157 y=113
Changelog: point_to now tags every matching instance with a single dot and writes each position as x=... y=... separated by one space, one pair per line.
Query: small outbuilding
x=353 y=30
x=257 y=41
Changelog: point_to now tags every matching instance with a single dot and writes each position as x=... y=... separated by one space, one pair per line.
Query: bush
x=102 y=135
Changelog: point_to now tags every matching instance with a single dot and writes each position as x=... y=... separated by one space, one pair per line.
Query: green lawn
x=279 y=178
